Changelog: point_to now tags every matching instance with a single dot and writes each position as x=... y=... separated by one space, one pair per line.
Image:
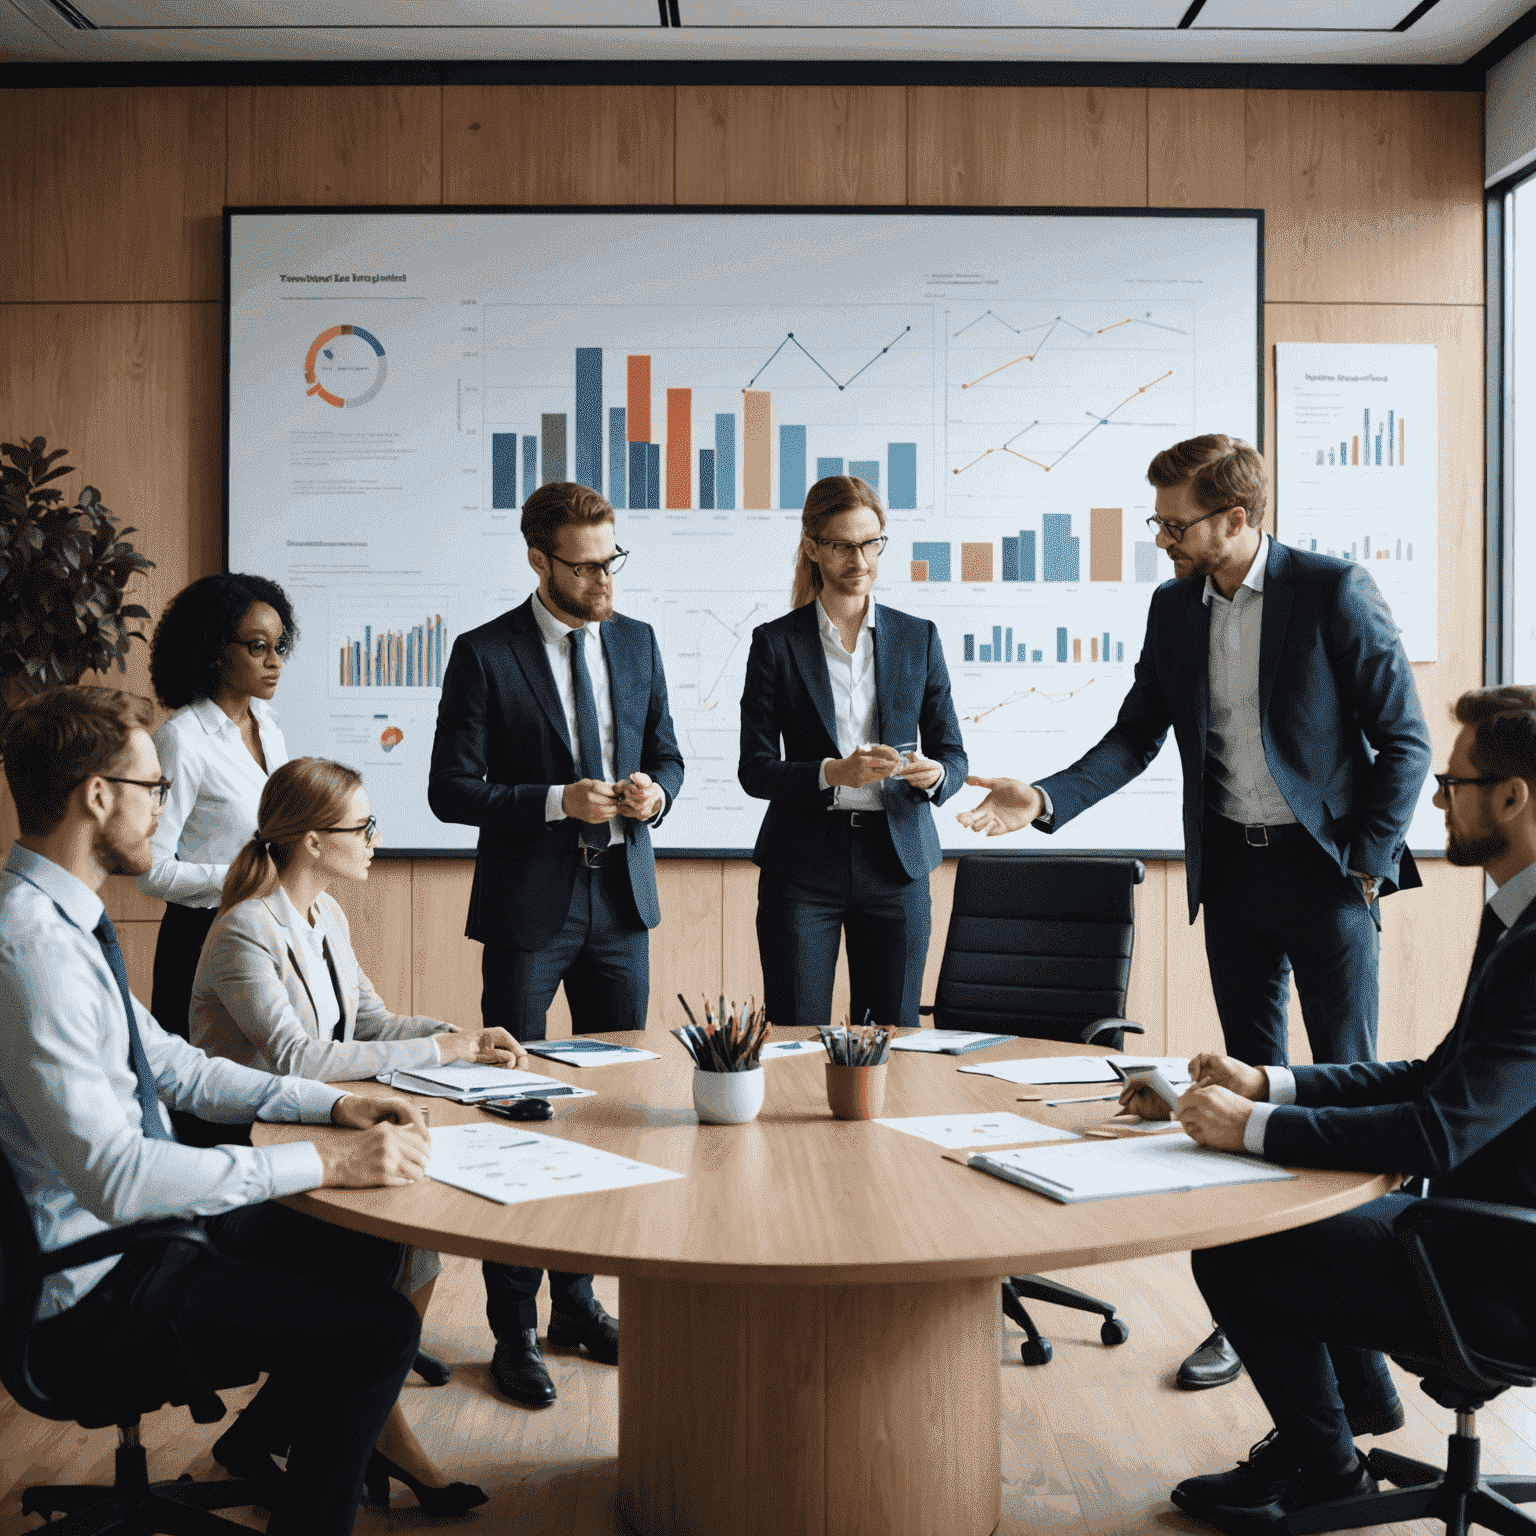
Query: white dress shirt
x=211 y=810
x=70 y=1121
x=558 y=650
x=1246 y=790
x=317 y=967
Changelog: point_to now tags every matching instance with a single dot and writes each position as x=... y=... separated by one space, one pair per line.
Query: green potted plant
x=63 y=571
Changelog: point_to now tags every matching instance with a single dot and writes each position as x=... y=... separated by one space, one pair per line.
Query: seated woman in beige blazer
x=278 y=988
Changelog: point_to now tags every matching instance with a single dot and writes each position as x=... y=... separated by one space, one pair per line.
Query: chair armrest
x=1091 y=1032
x=1463 y=1366
x=103 y=1245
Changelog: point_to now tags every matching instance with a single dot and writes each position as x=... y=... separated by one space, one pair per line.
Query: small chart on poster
x=1357 y=454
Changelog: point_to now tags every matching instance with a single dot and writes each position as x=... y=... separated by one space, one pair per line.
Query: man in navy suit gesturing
x=1304 y=748
x=554 y=738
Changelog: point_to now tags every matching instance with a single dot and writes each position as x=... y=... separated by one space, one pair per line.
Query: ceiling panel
x=1307 y=15
x=923 y=13
x=371 y=13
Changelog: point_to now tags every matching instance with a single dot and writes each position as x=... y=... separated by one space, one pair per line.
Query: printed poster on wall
x=1358 y=468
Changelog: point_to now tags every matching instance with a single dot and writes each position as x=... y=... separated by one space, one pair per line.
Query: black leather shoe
x=1378 y=1421
x=1269 y=1470
x=244 y=1453
x=1302 y=1493
x=593 y=1329
x=518 y=1370
x=1214 y=1364
x=435 y=1372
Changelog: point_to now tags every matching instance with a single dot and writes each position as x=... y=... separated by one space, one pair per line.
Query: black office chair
x=1040 y=946
x=1457 y=1378
x=132 y=1504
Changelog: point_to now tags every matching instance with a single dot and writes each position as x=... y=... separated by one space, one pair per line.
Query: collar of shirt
x=80 y=904
x=1254 y=578
x=297 y=920
x=1514 y=896
x=552 y=629
x=216 y=722
x=830 y=631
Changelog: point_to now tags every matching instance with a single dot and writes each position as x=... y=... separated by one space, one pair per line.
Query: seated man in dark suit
x=1465 y=1118
x=86 y=1076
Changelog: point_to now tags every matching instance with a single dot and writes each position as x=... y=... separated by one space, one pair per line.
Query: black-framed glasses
x=1446 y=780
x=260 y=648
x=158 y=788
x=844 y=548
x=589 y=570
x=367 y=828
x=1175 y=531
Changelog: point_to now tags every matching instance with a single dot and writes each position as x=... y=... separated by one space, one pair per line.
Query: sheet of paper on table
x=509 y=1164
x=465 y=1082
x=1040 y=1070
x=1109 y=1170
x=947 y=1042
x=587 y=1053
x=978 y=1130
x=1174 y=1068
x=776 y=1048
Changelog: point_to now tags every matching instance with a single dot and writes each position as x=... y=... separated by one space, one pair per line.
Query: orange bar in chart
x=1354 y=450
x=679 y=449
x=637 y=404
x=976 y=562
x=1104 y=543
x=919 y=570
x=1077 y=650
x=756 y=449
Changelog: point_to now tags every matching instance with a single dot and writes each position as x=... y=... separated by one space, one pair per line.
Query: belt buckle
x=853 y=819
x=1261 y=841
x=593 y=858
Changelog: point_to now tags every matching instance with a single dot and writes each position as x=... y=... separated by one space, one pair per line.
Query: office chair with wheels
x=132 y=1504
x=1040 y=946
x=1458 y=1378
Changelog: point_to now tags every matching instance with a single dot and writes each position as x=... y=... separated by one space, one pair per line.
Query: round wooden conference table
x=811 y=1315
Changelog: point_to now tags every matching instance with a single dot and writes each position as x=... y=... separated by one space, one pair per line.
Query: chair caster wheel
x=1114 y=1331
x=1035 y=1351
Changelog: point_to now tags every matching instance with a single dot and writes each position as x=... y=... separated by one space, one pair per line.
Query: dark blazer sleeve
x=939 y=728
x=761 y=771
x=1124 y=751
x=659 y=754
x=457 y=790
x=1374 y=676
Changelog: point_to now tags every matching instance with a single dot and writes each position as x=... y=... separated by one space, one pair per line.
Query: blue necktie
x=149 y=1097
x=1489 y=932
x=589 y=745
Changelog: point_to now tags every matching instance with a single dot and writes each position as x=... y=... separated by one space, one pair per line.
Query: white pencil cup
x=727 y=1098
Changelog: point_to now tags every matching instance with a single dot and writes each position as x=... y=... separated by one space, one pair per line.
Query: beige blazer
x=253 y=1000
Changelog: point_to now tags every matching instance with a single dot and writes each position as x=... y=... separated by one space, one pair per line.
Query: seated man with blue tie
x=1465 y=1118
x=85 y=1078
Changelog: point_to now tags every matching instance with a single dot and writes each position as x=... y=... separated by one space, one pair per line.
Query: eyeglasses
x=1446 y=780
x=1175 y=531
x=158 y=788
x=590 y=570
x=844 y=550
x=367 y=828
x=259 y=648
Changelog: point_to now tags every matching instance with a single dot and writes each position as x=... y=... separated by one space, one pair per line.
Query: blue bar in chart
x=503 y=470
x=1061 y=642
x=725 y=461
x=970 y=647
x=792 y=467
x=825 y=467
x=986 y=653
x=618 y=458
x=1010 y=559
x=707 y=479
x=1061 y=549
x=589 y=418
x=867 y=470
x=1119 y=650
x=1036 y=656
x=653 y=475
x=937 y=556
x=637 y=456
x=997 y=642
x=1019 y=557
x=552 y=449
x=530 y=465
x=901 y=475
x=1008 y=644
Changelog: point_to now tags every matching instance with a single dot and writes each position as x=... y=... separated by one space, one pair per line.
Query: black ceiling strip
x=1196 y=6
x=1521 y=30
x=661 y=5
x=677 y=19
x=71 y=14
x=1421 y=9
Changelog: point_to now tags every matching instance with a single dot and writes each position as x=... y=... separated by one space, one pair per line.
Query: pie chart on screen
x=346 y=366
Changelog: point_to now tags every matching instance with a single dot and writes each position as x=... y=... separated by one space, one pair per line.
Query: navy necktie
x=149 y=1097
x=589 y=744
x=1488 y=933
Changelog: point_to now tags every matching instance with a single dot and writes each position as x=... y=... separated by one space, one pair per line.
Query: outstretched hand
x=1010 y=807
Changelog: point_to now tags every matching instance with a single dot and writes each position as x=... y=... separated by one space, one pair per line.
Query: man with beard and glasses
x=86 y=1075
x=1465 y=1118
x=554 y=739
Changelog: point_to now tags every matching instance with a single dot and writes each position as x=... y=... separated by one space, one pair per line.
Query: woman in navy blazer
x=841 y=693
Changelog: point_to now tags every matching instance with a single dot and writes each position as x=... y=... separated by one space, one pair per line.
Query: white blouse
x=215 y=795
x=317 y=967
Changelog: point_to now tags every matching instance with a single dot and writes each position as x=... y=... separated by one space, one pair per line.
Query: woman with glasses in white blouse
x=215 y=661
x=278 y=988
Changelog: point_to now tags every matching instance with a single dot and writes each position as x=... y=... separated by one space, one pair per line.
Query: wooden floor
x=1091 y=1442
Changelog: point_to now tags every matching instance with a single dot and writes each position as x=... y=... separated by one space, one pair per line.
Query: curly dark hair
x=196 y=626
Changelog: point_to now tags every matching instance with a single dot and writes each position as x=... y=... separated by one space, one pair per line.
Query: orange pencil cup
x=855 y=1093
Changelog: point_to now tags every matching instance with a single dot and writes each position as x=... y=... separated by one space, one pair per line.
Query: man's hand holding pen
x=590 y=800
x=864 y=765
x=1213 y=1111
x=640 y=797
x=919 y=771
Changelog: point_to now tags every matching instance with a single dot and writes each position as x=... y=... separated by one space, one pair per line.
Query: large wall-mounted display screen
x=400 y=380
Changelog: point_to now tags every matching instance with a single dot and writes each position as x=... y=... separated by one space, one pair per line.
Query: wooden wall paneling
x=791 y=144
x=335 y=144
x=445 y=966
x=137 y=942
x=739 y=962
x=558 y=144
x=1195 y=153
x=126 y=194
x=1146 y=998
x=1370 y=196
x=19 y=113
x=686 y=949
x=126 y=904
x=1039 y=145
x=1192 y=1022
x=941 y=895
x=379 y=916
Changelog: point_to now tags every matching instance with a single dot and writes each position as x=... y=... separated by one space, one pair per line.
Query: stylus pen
x=1093 y=1098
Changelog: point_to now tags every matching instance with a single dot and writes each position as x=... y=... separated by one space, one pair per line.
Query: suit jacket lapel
x=528 y=650
x=623 y=681
x=805 y=647
x=1279 y=595
x=295 y=950
x=1197 y=654
x=890 y=675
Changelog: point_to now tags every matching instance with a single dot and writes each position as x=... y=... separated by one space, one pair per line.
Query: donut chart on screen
x=346 y=366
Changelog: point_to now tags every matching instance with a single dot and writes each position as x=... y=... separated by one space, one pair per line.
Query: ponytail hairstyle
x=302 y=796
x=824 y=501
